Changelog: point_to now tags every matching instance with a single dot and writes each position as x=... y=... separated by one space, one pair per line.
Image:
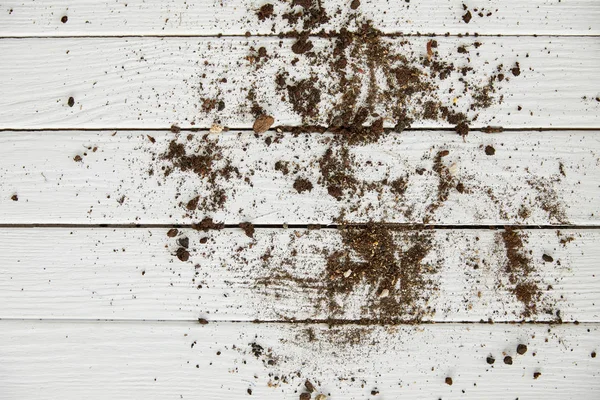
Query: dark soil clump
x=207 y=224
x=265 y=12
x=302 y=185
x=248 y=229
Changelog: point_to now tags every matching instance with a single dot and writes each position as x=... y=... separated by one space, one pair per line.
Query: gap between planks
x=332 y=323
x=312 y=226
x=565 y=130
x=228 y=36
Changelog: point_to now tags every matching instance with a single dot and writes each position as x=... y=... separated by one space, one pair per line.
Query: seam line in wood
x=300 y=322
x=306 y=226
x=200 y=129
x=286 y=36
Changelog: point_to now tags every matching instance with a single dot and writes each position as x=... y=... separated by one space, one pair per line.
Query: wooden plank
x=164 y=361
x=205 y=17
x=156 y=82
x=282 y=275
x=533 y=178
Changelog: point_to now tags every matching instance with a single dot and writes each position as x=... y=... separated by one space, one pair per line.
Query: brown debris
x=207 y=224
x=265 y=12
x=248 y=229
x=263 y=123
x=302 y=185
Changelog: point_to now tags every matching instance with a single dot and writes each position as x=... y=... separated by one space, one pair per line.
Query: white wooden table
x=94 y=304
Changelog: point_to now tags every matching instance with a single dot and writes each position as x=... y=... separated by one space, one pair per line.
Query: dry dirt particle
x=508 y=360
x=263 y=123
x=71 y=102
x=266 y=11
x=14 y=197
x=462 y=129
x=309 y=386
x=248 y=229
x=490 y=360
x=448 y=381
x=547 y=258
x=536 y=375
x=302 y=45
x=467 y=17
x=202 y=321
x=490 y=150
x=302 y=185
x=172 y=232
x=183 y=254
x=521 y=349
x=305 y=396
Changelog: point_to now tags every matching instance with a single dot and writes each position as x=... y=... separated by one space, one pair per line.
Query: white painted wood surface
x=133 y=274
x=207 y=17
x=179 y=360
x=155 y=82
x=90 y=312
x=53 y=188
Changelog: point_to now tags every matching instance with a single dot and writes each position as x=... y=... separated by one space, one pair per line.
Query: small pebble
x=309 y=386
x=384 y=293
x=536 y=375
x=508 y=360
x=521 y=349
x=320 y=397
x=215 y=128
x=490 y=360
x=347 y=273
x=448 y=381
x=547 y=258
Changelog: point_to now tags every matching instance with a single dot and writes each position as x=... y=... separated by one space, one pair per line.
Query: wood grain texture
x=280 y=275
x=521 y=183
x=171 y=361
x=206 y=17
x=156 y=82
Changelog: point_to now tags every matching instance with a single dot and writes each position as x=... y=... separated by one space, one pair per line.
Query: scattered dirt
x=397 y=275
x=519 y=270
x=14 y=197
